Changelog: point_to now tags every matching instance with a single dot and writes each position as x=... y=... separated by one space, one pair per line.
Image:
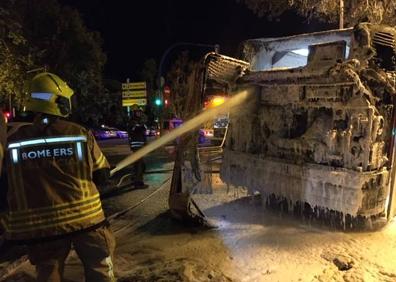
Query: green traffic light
x=158 y=102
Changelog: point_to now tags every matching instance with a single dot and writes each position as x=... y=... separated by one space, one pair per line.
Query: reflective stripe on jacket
x=136 y=144
x=51 y=191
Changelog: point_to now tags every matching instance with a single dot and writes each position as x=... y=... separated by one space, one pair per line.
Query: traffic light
x=158 y=102
x=166 y=93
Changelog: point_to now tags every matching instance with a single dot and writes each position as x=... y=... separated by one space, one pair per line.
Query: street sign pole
x=128 y=107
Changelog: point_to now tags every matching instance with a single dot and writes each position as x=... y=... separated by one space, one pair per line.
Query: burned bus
x=318 y=135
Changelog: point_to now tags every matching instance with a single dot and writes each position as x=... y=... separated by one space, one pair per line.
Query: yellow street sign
x=134 y=85
x=130 y=102
x=133 y=94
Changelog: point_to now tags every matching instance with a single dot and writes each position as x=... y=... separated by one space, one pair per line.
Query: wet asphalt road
x=158 y=166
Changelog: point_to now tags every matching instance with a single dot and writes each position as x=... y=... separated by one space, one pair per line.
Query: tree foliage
x=14 y=57
x=184 y=78
x=375 y=11
x=55 y=37
x=149 y=75
x=179 y=77
x=117 y=114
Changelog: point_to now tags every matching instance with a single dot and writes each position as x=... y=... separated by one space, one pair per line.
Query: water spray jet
x=191 y=124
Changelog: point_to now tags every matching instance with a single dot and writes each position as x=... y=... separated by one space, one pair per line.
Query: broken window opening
x=267 y=54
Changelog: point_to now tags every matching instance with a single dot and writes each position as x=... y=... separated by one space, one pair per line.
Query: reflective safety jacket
x=50 y=170
x=2 y=139
x=137 y=136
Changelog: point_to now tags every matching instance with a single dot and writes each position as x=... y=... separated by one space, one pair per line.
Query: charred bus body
x=319 y=135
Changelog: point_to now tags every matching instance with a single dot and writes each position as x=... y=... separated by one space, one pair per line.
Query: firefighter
x=53 y=167
x=137 y=139
x=2 y=138
x=3 y=184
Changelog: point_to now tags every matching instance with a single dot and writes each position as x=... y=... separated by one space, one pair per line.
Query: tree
x=185 y=77
x=14 y=57
x=149 y=75
x=65 y=45
x=375 y=11
x=117 y=115
x=179 y=77
x=44 y=33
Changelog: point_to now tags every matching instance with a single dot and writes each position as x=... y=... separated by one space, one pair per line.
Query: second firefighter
x=137 y=139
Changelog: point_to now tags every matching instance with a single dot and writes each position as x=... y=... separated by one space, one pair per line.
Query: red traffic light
x=166 y=90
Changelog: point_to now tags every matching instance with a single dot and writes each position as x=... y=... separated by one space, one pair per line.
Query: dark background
x=134 y=31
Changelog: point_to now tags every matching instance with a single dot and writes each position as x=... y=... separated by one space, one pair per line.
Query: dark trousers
x=94 y=248
x=138 y=171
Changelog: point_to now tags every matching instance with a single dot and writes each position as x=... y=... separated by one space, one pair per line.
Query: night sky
x=134 y=31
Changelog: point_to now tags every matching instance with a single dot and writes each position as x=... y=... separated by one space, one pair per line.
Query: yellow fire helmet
x=49 y=94
x=135 y=107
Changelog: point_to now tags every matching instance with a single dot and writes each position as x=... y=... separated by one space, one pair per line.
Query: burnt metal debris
x=320 y=131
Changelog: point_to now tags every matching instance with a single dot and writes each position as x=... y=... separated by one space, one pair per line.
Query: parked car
x=152 y=131
x=169 y=125
x=103 y=132
x=205 y=136
x=120 y=133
